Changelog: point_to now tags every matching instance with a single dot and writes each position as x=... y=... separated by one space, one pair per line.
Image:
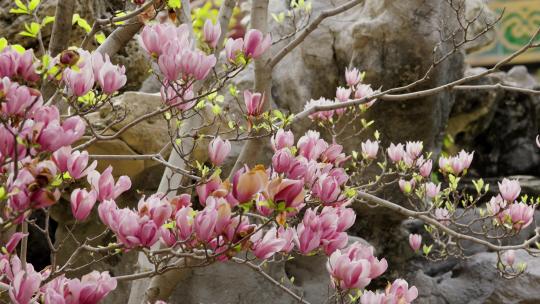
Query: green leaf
x=18 y=11
x=31 y=30
x=174 y=3
x=427 y=249
x=3 y=43
x=47 y=20
x=33 y=4
x=77 y=19
x=100 y=38
x=3 y=193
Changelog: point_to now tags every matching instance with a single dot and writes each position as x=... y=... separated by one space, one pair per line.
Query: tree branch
x=310 y=28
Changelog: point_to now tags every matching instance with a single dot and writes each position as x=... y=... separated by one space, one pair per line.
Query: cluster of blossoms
x=19 y=66
x=396 y=293
x=181 y=63
x=37 y=162
x=354 y=88
x=506 y=210
x=91 y=68
x=25 y=284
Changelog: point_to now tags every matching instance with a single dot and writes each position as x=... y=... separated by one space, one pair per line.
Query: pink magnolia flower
x=197 y=64
x=352 y=77
x=232 y=48
x=415 y=241
x=175 y=95
x=364 y=91
x=109 y=214
x=520 y=215
x=157 y=207
x=442 y=216
x=432 y=190
x=218 y=150
x=170 y=65
x=104 y=184
x=54 y=136
x=414 y=149
x=308 y=238
x=370 y=149
x=135 y=231
x=288 y=235
x=211 y=187
x=8 y=62
x=185 y=218
x=298 y=168
x=75 y=163
x=321 y=102
x=248 y=183
x=311 y=146
x=406 y=186
x=282 y=160
x=255 y=44
x=91 y=288
x=14 y=241
x=495 y=204
x=425 y=168
x=332 y=153
x=26 y=67
x=111 y=77
x=211 y=33
x=343 y=94
x=347 y=272
x=82 y=203
x=370 y=297
x=24 y=285
x=286 y=190
x=18 y=98
x=267 y=246
x=327 y=189
x=254 y=103
x=400 y=292
x=161 y=37
x=509 y=189
x=205 y=223
x=282 y=139
x=396 y=152
x=79 y=82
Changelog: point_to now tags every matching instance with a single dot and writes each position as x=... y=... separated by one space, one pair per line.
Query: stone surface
x=476 y=281
x=499 y=125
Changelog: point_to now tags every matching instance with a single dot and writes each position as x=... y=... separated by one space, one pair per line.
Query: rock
x=499 y=125
x=476 y=280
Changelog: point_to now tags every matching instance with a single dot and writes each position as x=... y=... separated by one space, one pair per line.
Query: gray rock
x=476 y=281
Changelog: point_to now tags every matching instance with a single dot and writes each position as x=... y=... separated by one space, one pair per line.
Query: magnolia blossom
x=211 y=33
x=396 y=152
x=432 y=190
x=414 y=148
x=232 y=48
x=415 y=241
x=370 y=149
x=75 y=163
x=352 y=76
x=79 y=82
x=425 y=168
x=518 y=215
x=267 y=245
x=354 y=267
x=255 y=44
x=282 y=139
x=104 y=184
x=247 y=183
x=82 y=203
x=282 y=160
x=218 y=150
x=320 y=115
x=509 y=189
x=364 y=91
x=254 y=103
x=442 y=216
x=111 y=77
x=406 y=186
x=175 y=95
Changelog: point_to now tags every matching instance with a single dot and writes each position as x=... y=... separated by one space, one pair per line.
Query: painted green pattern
x=521 y=18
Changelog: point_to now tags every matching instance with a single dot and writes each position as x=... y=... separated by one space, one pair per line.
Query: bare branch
x=310 y=28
